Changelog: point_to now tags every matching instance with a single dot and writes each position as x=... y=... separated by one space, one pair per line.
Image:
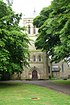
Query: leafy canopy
x=54 y=30
x=13 y=41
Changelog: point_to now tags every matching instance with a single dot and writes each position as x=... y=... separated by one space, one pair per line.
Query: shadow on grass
x=8 y=84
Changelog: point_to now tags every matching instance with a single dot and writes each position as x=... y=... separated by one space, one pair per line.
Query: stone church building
x=37 y=59
x=40 y=67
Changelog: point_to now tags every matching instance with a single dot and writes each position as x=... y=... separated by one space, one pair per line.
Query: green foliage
x=54 y=30
x=13 y=41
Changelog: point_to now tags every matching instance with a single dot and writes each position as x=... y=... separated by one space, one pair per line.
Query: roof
x=55 y=68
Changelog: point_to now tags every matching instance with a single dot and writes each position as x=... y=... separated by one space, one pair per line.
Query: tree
x=54 y=30
x=13 y=41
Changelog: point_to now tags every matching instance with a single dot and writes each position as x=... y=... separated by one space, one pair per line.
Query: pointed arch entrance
x=34 y=75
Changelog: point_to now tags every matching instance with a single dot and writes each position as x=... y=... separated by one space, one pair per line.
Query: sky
x=27 y=7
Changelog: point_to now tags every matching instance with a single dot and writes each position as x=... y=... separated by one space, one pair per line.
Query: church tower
x=38 y=66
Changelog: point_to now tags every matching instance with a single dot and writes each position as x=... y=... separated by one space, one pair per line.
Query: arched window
x=34 y=58
x=39 y=58
x=34 y=30
x=28 y=29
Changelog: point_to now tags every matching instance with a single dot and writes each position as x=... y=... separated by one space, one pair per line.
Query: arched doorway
x=34 y=75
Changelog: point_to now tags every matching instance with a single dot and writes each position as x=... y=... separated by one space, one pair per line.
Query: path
x=47 y=83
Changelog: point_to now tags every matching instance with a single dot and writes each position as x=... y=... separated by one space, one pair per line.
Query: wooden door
x=34 y=75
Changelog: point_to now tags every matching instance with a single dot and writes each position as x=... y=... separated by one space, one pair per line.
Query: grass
x=26 y=94
x=63 y=82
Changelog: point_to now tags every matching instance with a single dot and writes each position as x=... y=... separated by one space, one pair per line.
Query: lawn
x=63 y=82
x=16 y=93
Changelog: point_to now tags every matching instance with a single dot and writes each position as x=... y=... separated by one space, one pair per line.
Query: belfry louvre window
x=34 y=30
x=29 y=29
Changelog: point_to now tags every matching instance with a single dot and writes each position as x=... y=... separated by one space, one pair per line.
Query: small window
x=29 y=58
x=39 y=58
x=48 y=69
x=28 y=29
x=34 y=30
x=34 y=58
x=62 y=68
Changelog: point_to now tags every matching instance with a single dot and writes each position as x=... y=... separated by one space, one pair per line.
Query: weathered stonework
x=40 y=66
x=37 y=59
